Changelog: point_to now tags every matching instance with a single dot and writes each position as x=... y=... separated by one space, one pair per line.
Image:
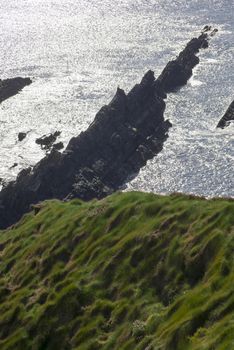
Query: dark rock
x=11 y=87
x=88 y=186
x=47 y=141
x=3 y=183
x=179 y=71
x=206 y=29
x=21 y=136
x=58 y=146
x=227 y=118
x=124 y=134
x=23 y=172
x=214 y=31
x=14 y=165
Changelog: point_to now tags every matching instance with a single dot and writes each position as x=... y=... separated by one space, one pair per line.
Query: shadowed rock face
x=11 y=87
x=129 y=131
x=227 y=118
x=177 y=72
x=123 y=136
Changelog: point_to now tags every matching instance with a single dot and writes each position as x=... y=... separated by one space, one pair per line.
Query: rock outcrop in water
x=179 y=71
x=47 y=141
x=227 y=118
x=11 y=87
x=123 y=136
x=21 y=136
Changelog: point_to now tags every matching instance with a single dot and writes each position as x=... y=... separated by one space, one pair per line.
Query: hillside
x=132 y=271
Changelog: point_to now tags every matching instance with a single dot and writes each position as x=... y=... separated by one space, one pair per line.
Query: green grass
x=132 y=271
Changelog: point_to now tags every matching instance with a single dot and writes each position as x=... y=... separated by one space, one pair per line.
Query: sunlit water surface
x=78 y=52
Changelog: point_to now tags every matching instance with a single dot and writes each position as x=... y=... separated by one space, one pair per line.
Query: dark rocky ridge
x=123 y=136
x=11 y=87
x=227 y=118
x=177 y=72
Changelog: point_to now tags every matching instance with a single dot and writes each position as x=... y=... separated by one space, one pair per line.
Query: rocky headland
x=123 y=136
x=11 y=87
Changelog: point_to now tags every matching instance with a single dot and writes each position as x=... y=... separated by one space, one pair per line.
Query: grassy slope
x=133 y=271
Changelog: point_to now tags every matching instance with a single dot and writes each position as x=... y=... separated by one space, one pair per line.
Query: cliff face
x=132 y=271
x=124 y=135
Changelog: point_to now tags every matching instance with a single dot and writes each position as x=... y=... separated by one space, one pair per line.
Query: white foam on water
x=195 y=82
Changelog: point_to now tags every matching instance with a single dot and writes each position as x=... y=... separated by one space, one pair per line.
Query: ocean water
x=78 y=52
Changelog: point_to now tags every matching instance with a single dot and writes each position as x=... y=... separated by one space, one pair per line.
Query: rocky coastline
x=11 y=87
x=123 y=136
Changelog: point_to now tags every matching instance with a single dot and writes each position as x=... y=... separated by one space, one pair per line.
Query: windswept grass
x=133 y=271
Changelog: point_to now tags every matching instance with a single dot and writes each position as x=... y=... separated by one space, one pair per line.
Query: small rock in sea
x=21 y=136
x=206 y=28
x=214 y=31
x=14 y=165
